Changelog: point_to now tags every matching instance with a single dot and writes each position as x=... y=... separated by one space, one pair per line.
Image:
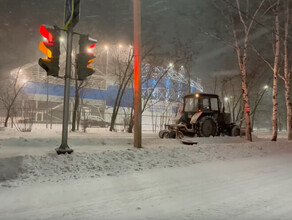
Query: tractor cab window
x=190 y=104
x=214 y=104
x=205 y=104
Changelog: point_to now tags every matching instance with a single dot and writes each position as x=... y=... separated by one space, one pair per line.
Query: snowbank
x=30 y=157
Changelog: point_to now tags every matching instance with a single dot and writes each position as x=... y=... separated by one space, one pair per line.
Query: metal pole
x=106 y=67
x=47 y=118
x=137 y=74
x=64 y=148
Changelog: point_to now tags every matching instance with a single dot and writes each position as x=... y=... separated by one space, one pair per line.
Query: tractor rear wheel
x=207 y=127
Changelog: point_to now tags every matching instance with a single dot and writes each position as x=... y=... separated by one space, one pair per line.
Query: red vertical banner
x=137 y=74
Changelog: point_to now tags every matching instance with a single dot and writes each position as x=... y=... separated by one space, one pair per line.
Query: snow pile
x=10 y=168
x=54 y=168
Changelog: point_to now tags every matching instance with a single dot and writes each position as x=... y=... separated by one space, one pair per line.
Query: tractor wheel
x=161 y=133
x=165 y=134
x=207 y=127
x=235 y=131
x=172 y=134
x=180 y=135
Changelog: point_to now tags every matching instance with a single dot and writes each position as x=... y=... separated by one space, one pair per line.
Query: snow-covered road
x=249 y=188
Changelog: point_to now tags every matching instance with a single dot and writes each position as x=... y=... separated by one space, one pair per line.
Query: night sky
x=110 y=21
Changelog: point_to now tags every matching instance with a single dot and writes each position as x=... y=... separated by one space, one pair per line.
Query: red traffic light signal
x=85 y=57
x=51 y=48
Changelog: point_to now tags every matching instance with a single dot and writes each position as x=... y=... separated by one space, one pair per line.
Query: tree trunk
x=289 y=121
x=118 y=101
x=246 y=111
x=7 y=117
x=287 y=76
x=6 y=121
x=76 y=105
x=275 y=74
x=131 y=123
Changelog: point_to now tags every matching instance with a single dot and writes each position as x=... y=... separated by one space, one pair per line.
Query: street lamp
x=119 y=51
x=106 y=67
x=226 y=99
x=266 y=87
x=170 y=65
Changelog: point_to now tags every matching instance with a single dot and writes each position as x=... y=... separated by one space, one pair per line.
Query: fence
x=27 y=120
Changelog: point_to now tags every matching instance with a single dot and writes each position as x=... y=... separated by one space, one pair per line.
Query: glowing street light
x=105 y=47
x=226 y=99
x=120 y=46
x=24 y=81
x=170 y=65
x=266 y=87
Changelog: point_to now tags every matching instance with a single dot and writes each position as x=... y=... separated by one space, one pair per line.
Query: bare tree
x=275 y=72
x=9 y=94
x=287 y=75
x=124 y=73
x=274 y=67
x=78 y=87
x=241 y=32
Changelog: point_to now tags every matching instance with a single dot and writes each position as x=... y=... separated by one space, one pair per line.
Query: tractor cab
x=200 y=102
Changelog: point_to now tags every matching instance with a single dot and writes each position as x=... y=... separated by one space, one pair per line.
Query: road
x=249 y=188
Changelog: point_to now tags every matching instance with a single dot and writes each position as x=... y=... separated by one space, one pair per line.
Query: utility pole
x=137 y=74
x=47 y=104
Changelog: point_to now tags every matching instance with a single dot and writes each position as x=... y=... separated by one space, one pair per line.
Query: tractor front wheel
x=235 y=131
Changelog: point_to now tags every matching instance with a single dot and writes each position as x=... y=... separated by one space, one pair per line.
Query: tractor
x=201 y=116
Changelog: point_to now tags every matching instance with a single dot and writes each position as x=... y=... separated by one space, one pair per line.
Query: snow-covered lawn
x=106 y=178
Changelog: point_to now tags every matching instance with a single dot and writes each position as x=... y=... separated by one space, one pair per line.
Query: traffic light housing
x=51 y=48
x=85 y=57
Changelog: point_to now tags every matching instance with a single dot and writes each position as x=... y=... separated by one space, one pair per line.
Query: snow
x=106 y=178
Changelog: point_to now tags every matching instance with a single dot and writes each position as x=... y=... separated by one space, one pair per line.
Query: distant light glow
x=61 y=39
x=226 y=99
x=170 y=65
x=24 y=81
x=197 y=95
x=266 y=87
x=120 y=46
x=105 y=47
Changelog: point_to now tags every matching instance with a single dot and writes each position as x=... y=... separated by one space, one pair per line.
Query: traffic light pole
x=64 y=148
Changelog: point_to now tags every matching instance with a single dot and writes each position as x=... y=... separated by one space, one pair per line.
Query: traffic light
x=51 y=48
x=85 y=57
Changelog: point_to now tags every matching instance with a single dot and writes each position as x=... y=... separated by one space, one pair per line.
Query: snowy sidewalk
x=250 y=188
